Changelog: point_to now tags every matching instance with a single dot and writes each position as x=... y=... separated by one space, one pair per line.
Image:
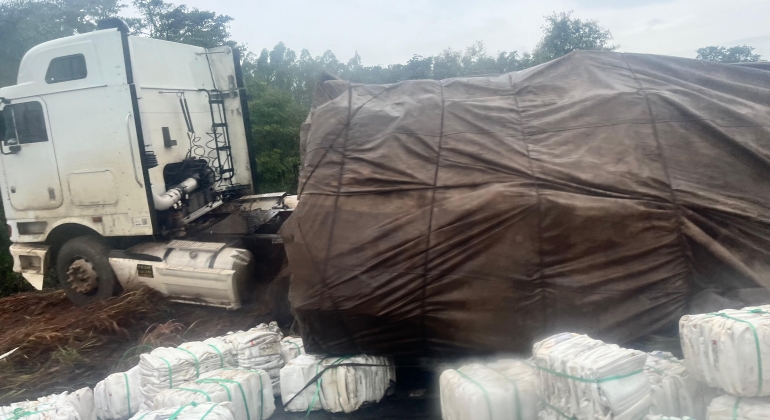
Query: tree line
x=280 y=82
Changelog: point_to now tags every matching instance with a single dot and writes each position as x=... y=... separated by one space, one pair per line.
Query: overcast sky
x=392 y=31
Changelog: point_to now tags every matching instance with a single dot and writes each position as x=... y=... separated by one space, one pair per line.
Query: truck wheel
x=84 y=270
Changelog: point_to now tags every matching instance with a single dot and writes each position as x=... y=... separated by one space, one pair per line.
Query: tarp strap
x=199 y=391
x=170 y=380
x=229 y=381
x=483 y=391
x=517 y=400
x=590 y=381
x=756 y=344
x=128 y=394
x=197 y=364
x=735 y=408
x=221 y=357
x=179 y=411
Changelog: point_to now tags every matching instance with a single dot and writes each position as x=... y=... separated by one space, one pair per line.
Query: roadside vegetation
x=279 y=80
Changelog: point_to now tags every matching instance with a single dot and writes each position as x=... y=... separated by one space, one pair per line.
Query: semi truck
x=128 y=161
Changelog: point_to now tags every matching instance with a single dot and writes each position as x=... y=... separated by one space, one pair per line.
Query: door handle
x=131 y=148
x=13 y=149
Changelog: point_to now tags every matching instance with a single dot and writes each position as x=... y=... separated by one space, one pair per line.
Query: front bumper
x=32 y=261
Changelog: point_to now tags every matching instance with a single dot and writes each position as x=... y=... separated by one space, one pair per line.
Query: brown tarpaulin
x=594 y=193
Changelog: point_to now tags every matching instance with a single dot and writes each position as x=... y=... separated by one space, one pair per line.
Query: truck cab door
x=29 y=162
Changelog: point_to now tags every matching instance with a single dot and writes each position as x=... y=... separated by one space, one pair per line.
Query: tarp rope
x=483 y=391
x=320 y=383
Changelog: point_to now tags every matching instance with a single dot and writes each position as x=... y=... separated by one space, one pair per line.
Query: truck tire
x=84 y=270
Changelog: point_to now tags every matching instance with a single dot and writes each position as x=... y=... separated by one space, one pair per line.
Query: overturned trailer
x=594 y=193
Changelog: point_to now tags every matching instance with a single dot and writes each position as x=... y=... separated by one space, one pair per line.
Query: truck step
x=217 y=125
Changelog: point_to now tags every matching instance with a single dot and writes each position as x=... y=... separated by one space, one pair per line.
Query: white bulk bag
x=192 y=411
x=675 y=393
x=224 y=349
x=340 y=388
x=726 y=349
x=253 y=386
x=78 y=405
x=294 y=376
x=207 y=356
x=259 y=349
x=346 y=388
x=730 y=407
x=291 y=348
x=118 y=396
x=589 y=379
x=504 y=390
x=164 y=368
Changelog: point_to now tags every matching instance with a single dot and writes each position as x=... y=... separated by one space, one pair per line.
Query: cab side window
x=63 y=69
x=24 y=123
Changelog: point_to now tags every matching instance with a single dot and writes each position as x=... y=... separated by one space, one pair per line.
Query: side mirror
x=14 y=149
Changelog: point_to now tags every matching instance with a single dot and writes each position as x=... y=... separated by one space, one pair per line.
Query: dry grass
x=64 y=347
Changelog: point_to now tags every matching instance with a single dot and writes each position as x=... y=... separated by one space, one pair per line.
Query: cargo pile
x=724 y=376
x=232 y=377
x=730 y=350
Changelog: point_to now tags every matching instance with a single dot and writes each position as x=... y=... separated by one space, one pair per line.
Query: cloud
x=615 y=4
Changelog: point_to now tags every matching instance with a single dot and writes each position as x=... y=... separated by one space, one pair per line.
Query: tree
x=563 y=34
x=166 y=21
x=736 y=54
x=26 y=23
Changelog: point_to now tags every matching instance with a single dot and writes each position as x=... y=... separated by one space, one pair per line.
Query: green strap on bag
x=221 y=358
x=590 y=381
x=483 y=390
x=170 y=372
x=197 y=364
x=179 y=411
x=128 y=395
x=229 y=381
x=756 y=343
x=517 y=400
x=198 y=391
x=21 y=413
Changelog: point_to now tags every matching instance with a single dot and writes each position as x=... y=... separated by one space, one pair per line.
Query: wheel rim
x=82 y=277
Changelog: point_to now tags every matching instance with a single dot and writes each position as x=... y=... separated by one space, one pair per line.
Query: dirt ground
x=62 y=347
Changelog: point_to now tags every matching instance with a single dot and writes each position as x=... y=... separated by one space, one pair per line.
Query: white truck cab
x=119 y=142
